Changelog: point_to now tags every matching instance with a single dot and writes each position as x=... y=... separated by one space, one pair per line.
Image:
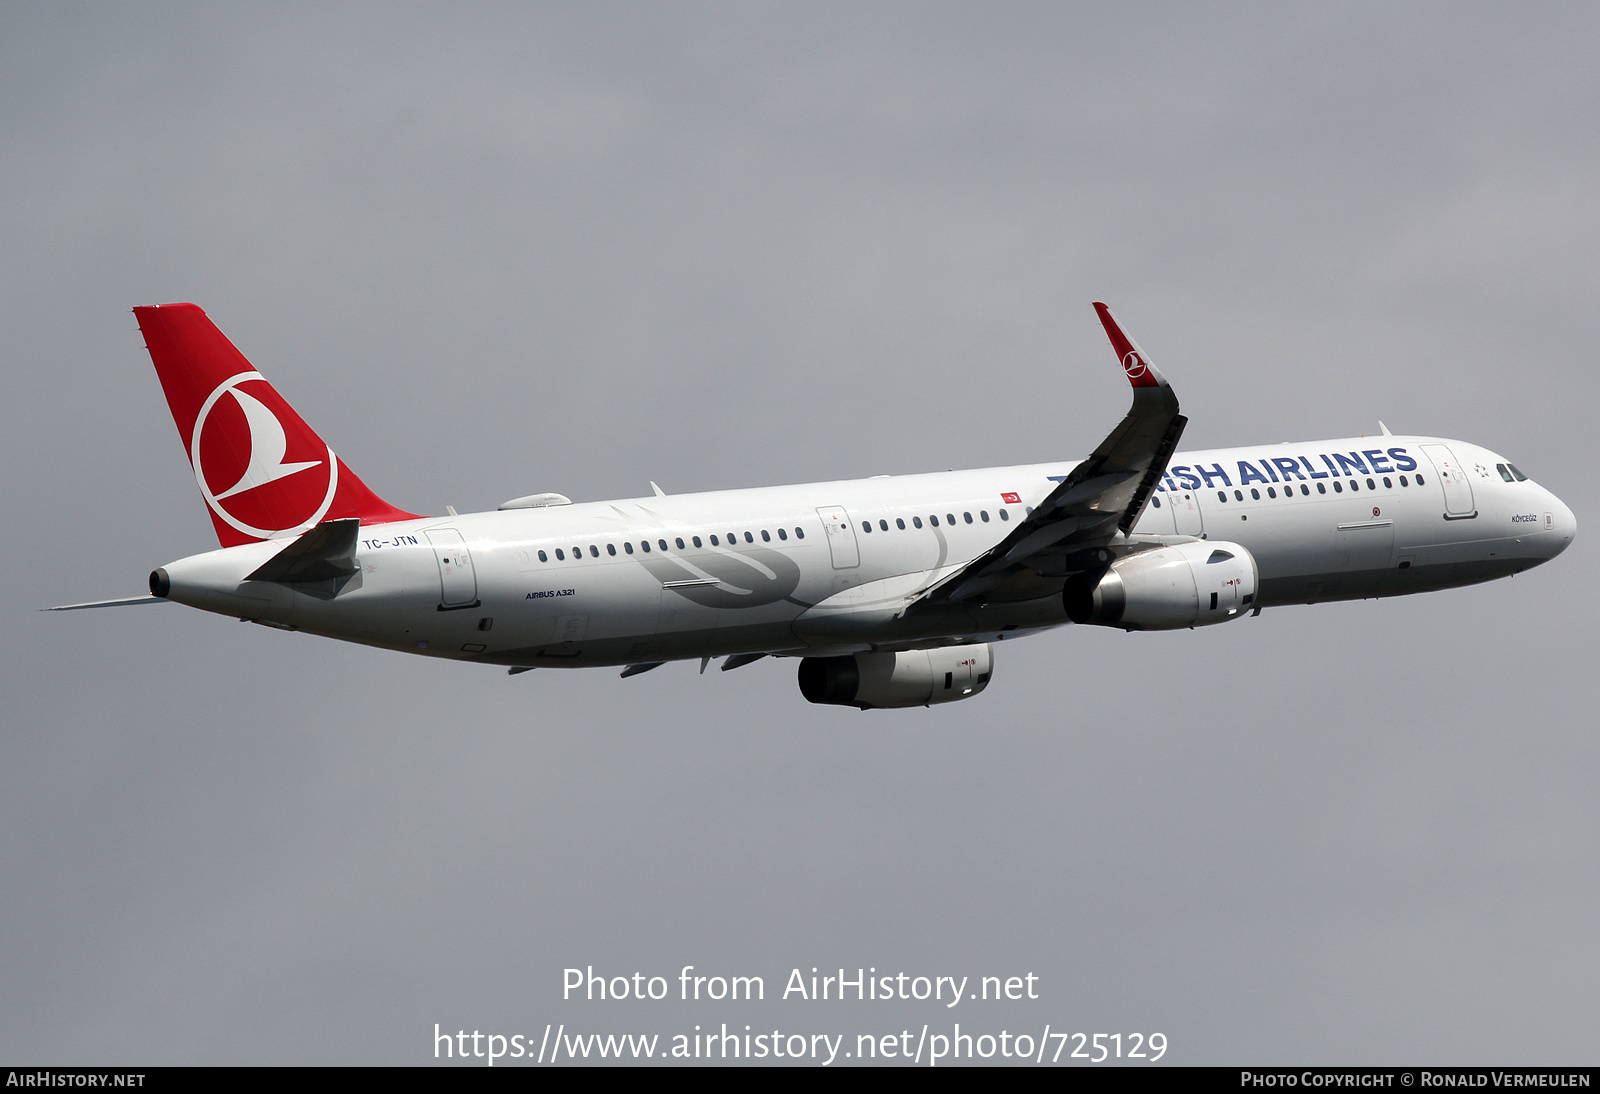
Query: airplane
x=890 y=591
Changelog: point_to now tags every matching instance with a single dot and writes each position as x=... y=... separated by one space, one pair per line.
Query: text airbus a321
x=890 y=591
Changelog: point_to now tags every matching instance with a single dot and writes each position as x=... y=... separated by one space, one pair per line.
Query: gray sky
x=495 y=250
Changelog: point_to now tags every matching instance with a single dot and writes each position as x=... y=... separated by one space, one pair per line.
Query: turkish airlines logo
x=1133 y=365
x=1011 y=499
x=232 y=474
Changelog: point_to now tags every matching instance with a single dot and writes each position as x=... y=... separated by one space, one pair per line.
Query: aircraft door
x=841 y=537
x=1458 y=504
x=1185 y=511
x=458 y=581
x=1365 y=545
x=1157 y=517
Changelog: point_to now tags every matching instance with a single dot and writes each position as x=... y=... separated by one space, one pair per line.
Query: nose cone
x=1563 y=526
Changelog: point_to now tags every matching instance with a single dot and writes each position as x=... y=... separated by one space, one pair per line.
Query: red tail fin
x=263 y=472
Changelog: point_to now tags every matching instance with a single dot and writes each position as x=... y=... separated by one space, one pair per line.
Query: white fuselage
x=825 y=568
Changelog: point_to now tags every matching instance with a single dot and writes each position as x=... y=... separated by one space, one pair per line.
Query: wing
x=1104 y=495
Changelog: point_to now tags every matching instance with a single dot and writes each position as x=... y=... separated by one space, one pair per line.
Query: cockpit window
x=1219 y=555
x=1520 y=476
x=1504 y=473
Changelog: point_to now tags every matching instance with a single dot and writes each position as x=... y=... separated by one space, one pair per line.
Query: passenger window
x=714 y=541
x=1156 y=502
x=663 y=543
x=1419 y=480
x=866 y=526
x=1222 y=495
x=916 y=521
x=900 y=523
x=644 y=545
x=1387 y=485
x=1255 y=495
x=782 y=534
x=1271 y=493
x=696 y=541
x=950 y=519
x=766 y=536
x=1371 y=485
x=1504 y=473
x=883 y=525
x=1403 y=481
x=1029 y=508
x=733 y=537
x=1354 y=486
x=933 y=520
x=1322 y=488
x=577 y=554
x=799 y=533
x=678 y=541
x=1004 y=515
x=967 y=517
x=984 y=513
x=1520 y=476
x=611 y=548
x=560 y=555
x=628 y=547
x=1304 y=489
x=748 y=538
x=1337 y=489
x=543 y=557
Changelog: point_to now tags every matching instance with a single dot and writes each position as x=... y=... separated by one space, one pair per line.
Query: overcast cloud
x=495 y=250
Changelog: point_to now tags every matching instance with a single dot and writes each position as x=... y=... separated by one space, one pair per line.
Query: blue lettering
x=1354 y=460
x=1331 y=467
x=1402 y=462
x=1375 y=458
x=1249 y=474
x=1267 y=466
x=1314 y=474
x=1187 y=476
x=1287 y=467
x=1216 y=472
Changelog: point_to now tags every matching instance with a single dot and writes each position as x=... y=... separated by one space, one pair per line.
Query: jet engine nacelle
x=1186 y=585
x=911 y=678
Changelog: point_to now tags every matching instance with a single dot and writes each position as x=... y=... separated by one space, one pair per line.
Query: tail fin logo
x=1134 y=365
x=237 y=479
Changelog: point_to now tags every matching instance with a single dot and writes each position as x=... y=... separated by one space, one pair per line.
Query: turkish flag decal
x=1011 y=499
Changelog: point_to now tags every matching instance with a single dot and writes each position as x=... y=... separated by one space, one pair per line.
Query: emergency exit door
x=1185 y=511
x=841 y=537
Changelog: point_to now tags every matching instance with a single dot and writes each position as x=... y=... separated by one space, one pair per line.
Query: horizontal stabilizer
x=325 y=553
x=107 y=603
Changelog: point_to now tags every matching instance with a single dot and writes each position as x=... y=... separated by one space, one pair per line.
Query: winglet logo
x=232 y=477
x=1134 y=365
